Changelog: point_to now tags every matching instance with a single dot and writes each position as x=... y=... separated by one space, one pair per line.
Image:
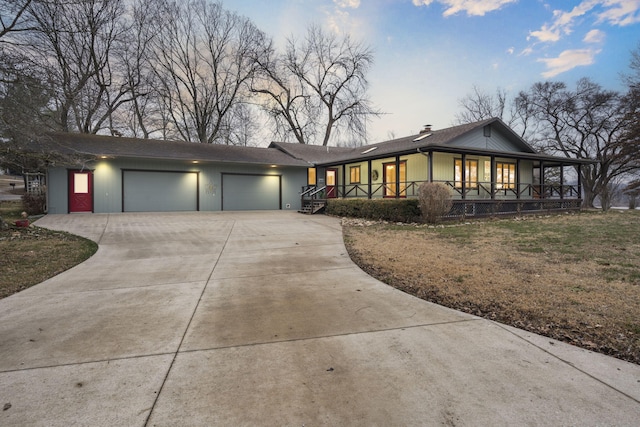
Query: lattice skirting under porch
x=470 y=208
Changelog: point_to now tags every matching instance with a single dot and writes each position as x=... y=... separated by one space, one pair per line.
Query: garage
x=159 y=191
x=251 y=192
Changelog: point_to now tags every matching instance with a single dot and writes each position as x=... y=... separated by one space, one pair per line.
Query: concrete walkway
x=203 y=319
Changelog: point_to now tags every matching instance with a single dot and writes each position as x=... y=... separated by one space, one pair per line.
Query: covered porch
x=481 y=183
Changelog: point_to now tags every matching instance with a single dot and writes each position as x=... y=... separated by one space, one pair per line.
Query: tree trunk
x=589 y=198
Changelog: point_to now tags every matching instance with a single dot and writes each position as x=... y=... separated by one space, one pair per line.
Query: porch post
x=518 y=179
x=344 y=179
x=369 y=184
x=579 y=181
x=397 y=177
x=492 y=177
x=543 y=191
x=463 y=173
x=561 y=181
x=430 y=165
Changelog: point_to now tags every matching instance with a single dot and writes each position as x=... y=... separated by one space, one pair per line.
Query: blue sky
x=430 y=53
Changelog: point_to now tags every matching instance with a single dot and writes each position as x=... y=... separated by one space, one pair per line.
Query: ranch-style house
x=488 y=168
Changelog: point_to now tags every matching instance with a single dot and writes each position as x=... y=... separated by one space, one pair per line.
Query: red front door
x=332 y=177
x=80 y=191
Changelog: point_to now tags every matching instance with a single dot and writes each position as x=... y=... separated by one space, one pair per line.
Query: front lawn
x=31 y=255
x=573 y=277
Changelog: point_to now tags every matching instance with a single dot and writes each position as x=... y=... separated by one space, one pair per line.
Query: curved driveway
x=261 y=318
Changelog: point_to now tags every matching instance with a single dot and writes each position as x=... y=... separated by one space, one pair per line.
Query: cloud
x=568 y=60
x=526 y=51
x=613 y=12
x=339 y=21
x=621 y=12
x=471 y=7
x=511 y=50
x=594 y=36
x=563 y=22
x=546 y=34
x=347 y=4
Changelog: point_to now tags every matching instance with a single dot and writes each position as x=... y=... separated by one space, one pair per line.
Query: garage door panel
x=159 y=191
x=250 y=192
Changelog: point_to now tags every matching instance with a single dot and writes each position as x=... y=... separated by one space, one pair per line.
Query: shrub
x=435 y=201
x=394 y=210
x=34 y=204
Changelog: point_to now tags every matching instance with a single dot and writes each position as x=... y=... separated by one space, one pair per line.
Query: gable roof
x=443 y=140
x=108 y=146
x=450 y=140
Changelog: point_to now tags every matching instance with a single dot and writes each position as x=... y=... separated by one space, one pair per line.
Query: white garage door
x=242 y=192
x=159 y=191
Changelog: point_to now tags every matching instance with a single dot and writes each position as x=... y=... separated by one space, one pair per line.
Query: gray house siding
x=57 y=191
x=108 y=185
x=497 y=141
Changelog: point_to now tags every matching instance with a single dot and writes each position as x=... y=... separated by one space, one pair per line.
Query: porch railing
x=313 y=192
x=476 y=191
x=477 y=200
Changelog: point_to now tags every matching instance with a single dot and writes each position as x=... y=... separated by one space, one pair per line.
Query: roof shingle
x=98 y=145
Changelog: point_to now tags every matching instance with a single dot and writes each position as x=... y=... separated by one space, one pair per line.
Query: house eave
x=425 y=149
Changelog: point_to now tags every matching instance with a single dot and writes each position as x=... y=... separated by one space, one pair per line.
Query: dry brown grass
x=31 y=255
x=575 y=278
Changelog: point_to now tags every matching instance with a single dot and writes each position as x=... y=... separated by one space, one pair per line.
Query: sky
x=429 y=54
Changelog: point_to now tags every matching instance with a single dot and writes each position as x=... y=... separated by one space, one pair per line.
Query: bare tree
x=586 y=123
x=632 y=101
x=317 y=90
x=13 y=16
x=287 y=100
x=203 y=58
x=24 y=94
x=141 y=117
x=480 y=105
x=242 y=126
x=74 y=42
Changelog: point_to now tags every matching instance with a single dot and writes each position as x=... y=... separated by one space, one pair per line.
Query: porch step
x=314 y=207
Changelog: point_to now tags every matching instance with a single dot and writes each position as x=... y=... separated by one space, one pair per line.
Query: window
x=389 y=179
x=487 y=171
x=505 y=175
x=470 y=173
x=354 y=173
x=81 y=183
x=311 y=176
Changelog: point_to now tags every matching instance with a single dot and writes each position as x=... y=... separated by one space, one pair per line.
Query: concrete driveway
x=202 y=319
